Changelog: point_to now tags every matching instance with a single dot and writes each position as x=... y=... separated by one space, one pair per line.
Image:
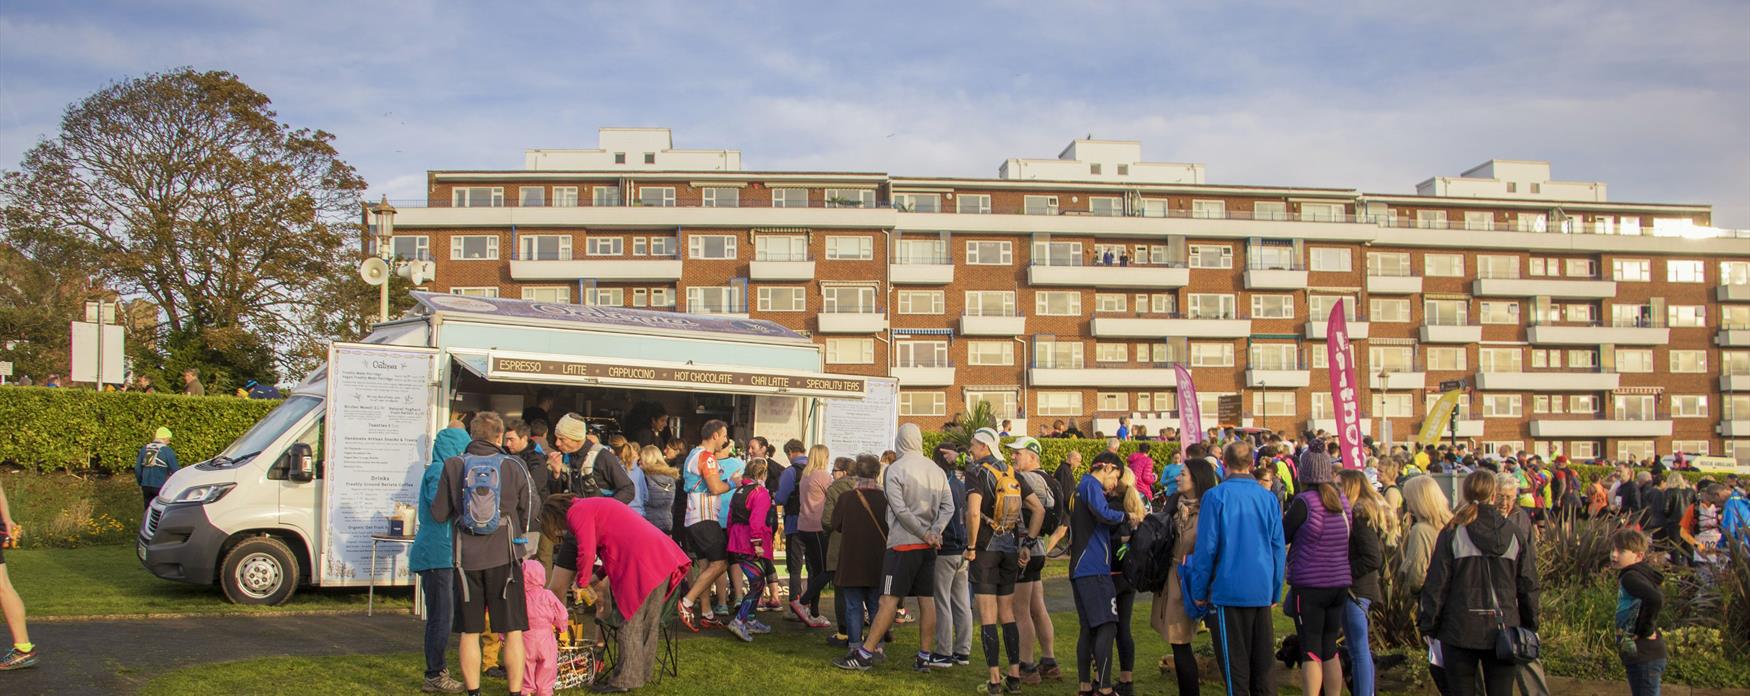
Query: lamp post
x=1384 y=406
x=385 y=236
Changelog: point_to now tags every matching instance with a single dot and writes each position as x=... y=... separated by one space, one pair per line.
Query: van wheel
x=260 y=570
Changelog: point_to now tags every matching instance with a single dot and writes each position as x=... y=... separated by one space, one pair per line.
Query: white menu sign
x=850 y=427
x=379 y=425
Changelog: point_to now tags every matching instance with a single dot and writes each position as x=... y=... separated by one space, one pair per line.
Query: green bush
x=60 y=510
x=70 y=429
x=1055 y=450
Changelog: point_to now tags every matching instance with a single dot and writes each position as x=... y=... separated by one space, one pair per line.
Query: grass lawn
x=108 y=580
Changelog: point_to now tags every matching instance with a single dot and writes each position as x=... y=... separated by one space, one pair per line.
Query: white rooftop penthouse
x=632 y=149
x=1499 y=178
x=1102 y=160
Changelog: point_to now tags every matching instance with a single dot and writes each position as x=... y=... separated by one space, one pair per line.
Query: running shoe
x=838 y=640
x=962 y=659
x=818 y=622
x=757 y=627
x=920 y=664
x=17 y=659
x=940 y=661
x=1029 y=674
x=689 y=618
x=443 y=683
x=710 y=621
x=801 y=612
x=1011 y=685
x=1049 y=671
x=856 y=659
x=740 y=629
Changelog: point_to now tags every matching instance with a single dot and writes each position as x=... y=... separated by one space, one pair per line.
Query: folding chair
x=668 y=661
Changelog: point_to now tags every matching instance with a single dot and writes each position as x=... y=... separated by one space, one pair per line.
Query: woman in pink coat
x=1144 y=469
x=547 y=616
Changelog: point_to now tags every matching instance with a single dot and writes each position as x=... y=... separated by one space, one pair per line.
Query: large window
x=1735 y=362
x=1450 y=358
x=1388 y=263
x=1273 y=403
x=1331 y=259
x=850 y=351
x=1489 y=266
x=716 y=300
x=486 y=291
x=1686 y=315
x=1112 y=402
x=990 y=303
x=847 y=299
x=1322 y=212
x=1502 y=406
x=597 y=246
x=1734 y=317
x=1391 y=359
x=920 y=302
x=477 y=197
x=1057 y=303
x=972 y=203
x=1735 y=272
x=1319 y=306
x=656 y=196
x=1055 y=403
x=720 y=197
x=989 y=253
x=1635 y=407
x=1108 y=302
x=1689 y=361
x=474 y=248
x=1689 y=406
x=1002 y=403
x=923 y=403
x=786 y=247
x=782 y=299
x=565 y=196
x=921 y=353
x=1269 y=210
x=1443 y=265
x=990 y=353
x=416 y=247
x=1111 y=352
x=1212 y=256
x=1209 y=210
x=1040 y=205
x=861 y=248
x=1683 y=271
x=1058 y=254
x=1446 y=312
x=920 y=251
x=917 y=202
x=1393 y=405
x=1432 y=219
x=1496 y=312
x=1211 y=306
x=605 y=297
x=1634 y=360
x=1389 y=310
x=1272 y=254
x=1057 y=355
x=556 y=294
x=850 y=198
x=1105 y=206
x=789 y=198
x=1212 y=355
x=1631 y=270
x=532 y=196
x=1501 y=359
x=711 y=246
x=1272 y=306
x=605 y=196
x=1274 y=356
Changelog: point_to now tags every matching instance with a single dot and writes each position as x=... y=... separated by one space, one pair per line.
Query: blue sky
x=1653 y=98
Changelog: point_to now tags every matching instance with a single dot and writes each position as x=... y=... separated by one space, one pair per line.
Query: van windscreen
x=271 y=427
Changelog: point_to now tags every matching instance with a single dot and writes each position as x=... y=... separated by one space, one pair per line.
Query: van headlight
x=203 y=494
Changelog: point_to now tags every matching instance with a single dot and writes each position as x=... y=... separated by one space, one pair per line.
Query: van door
x=300 y=503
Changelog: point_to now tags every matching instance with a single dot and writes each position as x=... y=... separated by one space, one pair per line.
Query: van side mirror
x=302 y=461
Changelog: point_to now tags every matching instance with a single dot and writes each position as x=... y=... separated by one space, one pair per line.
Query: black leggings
x=1126 y=642
x=1463 y=665
x=1094 y=654
x=1185 y=669
x=814 y=546
x=1318 y=618
x=793 y=553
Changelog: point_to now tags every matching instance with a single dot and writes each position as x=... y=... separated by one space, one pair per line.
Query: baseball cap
x=1026 y=443
x=990 y=439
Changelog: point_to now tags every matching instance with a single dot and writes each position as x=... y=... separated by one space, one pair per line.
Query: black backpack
x=1149 y=559
x=1053 y=512
x=739 y=513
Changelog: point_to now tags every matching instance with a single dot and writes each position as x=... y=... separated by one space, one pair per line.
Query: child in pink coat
x=1144 y=467
x=751 y=522
x=547 y=617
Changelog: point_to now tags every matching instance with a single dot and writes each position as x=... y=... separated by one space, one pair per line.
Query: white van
x=295 y=499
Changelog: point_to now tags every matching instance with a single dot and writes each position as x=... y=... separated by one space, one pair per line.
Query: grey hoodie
x=919 y=502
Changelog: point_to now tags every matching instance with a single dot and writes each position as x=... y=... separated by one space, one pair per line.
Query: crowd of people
x=1234 y=526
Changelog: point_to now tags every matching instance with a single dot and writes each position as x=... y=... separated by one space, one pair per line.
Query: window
x=1446 y=312
x=720 y=197
x=559 y=295
x=1123 y=170
x=1735 y=407
x=565 y=196
x=1497 y=266
x=1111 y=402
x=1433 y=219
x=1274 y=356
x=1501 y=359
x=1735 y=362
x=1002 y=403
x=1057 y=354
x=1111 y=302
x=1499 y=312
x=1443 y=265
x=477 y=197
x=1735 y=272
x=1212 y=256
x=1331 y=259
x=531 y=196
x=1687 y=315
x=1060 y=403
x=1544 y=267
x=1501 y=406
x=1159 y=303
x=416 y=247
x=1272 y=306
x=1577 y=268
x=1690 y=446
x=619 y=158
x=1390 y=311
x=1533 y=222
x=710 y=246
x=1586 y=358
x=1687 y=361
x=1631 y=315
x=850 y=351
x=990 y=303
x=1689 y=406
x=650 y=158
x=850 y=198
x=789 y=198
x=1321 y=212
x=917 y=202
x=1388 y=264
x=781 y=300
x=474 y=248
x=662 y=246
x=1428 y=406
x=1586 y=404
x=1734 y=317
x=654 y=297
x=1391 y=359
x=656 y=196
x=1040 y=205
x=1683 y=271
x=1212 y=355
x=1635 y=407
x=1269 y=210
x=920 y=302
x=1106 y=206
x=1094 y=168
x=605 y=196
x=1393 y=405
x=987 y=253
x=990 y=353
x=1583 y=314
x=1273 y=255
x=553 y=247
x=715 y=300
x=848 y=299
x=1209 y=210
x=1159 y=402
x=1319 y=306
x=785 y=247
x=1274 y=403
x=475 y=291
x=1631 y=270
x=604 y=246
x=921 y=353
x=1211 y=306
x=1111 y=352
x=1634 y=450
x=923 y=403
x=1446 y=358
x=1639 y=360
x=921 y=251
x=605 y=297
x=1059 y=254
x=1546 y=358
x=972 y=203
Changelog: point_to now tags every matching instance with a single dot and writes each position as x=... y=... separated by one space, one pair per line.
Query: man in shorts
x=919 y=506
x=490 y=572
x=23 y=653
x=705 y=538
x=999 y=549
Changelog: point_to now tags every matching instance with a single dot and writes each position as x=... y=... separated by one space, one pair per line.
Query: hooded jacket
x=919 y=502
x=1144 y=469
x=1489 y=554
x=546 y=612
x=1240 y=548
x=636 y=557
x=1638 y=602
x=154 y=464
x=431 y=542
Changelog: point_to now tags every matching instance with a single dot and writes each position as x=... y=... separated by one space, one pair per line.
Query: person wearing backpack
x=487 y=493
x=593 y=467
x=1169 y=615
x=1482 y=581
x=1031 y=616
x=752 y=521
x=154 y=464
x=1317 y=527
x=703 y=483
x=1236 y=571
x=789 y=500
x=1092 y=548
x=657 y=483
x=995 y=498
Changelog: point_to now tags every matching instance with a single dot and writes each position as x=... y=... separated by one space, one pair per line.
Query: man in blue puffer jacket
x=432 y=558
x=1237 y=567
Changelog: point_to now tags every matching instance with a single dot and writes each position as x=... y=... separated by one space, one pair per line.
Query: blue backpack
x=481 y=514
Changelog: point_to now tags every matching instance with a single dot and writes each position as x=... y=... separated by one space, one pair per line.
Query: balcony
x=1315 y=328
x=1561 y=289
x=1329 y=425
x=1734 y=428
x=941 y=376
x=637 y=214
x=1162 y=376
x=781 y=270
x=1170 y=327
x=1600 y=428
x=921 y=269
x=1597 y=335
x=1732 y=293
x=1735 y=383
x=993 y=326
x=1393 y=284
x=1275 y=279
x=1459 y=333
x=1733 y=338
x=1273 y=379
x=657 y=270
x=1548 y=381
x=1399 y=381
x=852 y=322
x=1140 y=277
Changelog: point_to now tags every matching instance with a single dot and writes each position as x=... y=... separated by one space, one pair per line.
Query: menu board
x=379 y=423
x=870 y=425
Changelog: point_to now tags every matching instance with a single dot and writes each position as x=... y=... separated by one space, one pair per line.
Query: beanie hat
x=1318 y=468
x=571 y=428
x=162 y=434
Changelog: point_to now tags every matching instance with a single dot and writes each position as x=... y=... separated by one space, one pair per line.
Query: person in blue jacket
x=154 y=464
x=1237 y=567
x=432 y=558
x=1091 y=551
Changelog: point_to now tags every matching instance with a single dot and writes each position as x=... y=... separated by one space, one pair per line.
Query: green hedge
x=1055 y=450
x=44 y=429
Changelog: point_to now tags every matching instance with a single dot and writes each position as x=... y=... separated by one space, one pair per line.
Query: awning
x=530 y=368
x=924 y=332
